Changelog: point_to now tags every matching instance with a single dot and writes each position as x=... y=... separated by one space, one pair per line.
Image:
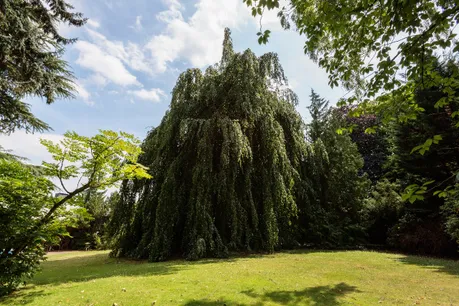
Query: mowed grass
x=291 y=278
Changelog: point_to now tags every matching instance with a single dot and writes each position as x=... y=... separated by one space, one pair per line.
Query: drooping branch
x=224 y=159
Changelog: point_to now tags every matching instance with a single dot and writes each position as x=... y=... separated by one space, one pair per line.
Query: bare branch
x=59 y=174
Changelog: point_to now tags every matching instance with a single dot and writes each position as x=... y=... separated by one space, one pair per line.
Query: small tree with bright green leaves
x=24 y=196
x=31 y=216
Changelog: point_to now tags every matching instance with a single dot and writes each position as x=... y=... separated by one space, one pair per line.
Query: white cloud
x=138 y=24
x=199 y=39
x=130 y=54
x=98 y=80
x=93 y=23
x=172 y=13
x=196 y=40
x=110 y=67
x=28 y=145
x=153 y=94
x=83 y=93
x=164 y=49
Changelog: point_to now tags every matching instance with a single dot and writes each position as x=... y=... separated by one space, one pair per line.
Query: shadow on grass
x=447 y=266
x=86 y=268
x=90 y=267
x=22 y=298
x=207 y=302
x=319 y=295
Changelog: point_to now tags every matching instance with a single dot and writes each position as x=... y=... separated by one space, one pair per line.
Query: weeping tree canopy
x=224 y=162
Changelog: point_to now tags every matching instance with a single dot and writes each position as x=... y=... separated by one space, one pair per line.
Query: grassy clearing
x=294 y=278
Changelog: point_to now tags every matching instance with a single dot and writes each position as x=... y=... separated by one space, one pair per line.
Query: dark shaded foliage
x=424 y=234
x=331 y=215
x=373 y=145
x=422 y=228
x=382 y=210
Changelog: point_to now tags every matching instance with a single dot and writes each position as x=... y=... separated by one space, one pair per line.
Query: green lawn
x=294 y=278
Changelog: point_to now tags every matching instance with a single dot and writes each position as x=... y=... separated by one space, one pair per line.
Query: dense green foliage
x=338 y=188
x=319 y=111
x=24 y=196
x=383 y=52
x=31 y=59
x=450 y=211
x=232 y=169
x=425 y=224
x=92 y=234
x=373 y=143
x=31 y=216
x=397 y=59
x=425 y=221
x=435 y=160
x=224 y=163
x=382 y=210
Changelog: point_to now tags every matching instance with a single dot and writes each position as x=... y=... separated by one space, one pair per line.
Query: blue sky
x=130 y=54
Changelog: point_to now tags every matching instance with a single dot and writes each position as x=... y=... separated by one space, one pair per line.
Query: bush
x=450 y=211
x=16 y=270
x=418 y=234
x=382 y=210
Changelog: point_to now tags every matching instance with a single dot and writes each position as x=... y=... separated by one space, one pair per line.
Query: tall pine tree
x=331 y=218
x=319 y=111
x=422 y=227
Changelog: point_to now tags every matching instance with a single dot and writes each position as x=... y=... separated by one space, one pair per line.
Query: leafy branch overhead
x=374 y=48
x=364 y=45
x=382 y=52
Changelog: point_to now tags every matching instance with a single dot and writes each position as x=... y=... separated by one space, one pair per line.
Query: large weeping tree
x=225 y=164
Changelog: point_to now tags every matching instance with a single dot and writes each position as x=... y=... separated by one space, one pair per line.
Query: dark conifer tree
x=319 y=111
x=31 y=62
x=331 y=217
